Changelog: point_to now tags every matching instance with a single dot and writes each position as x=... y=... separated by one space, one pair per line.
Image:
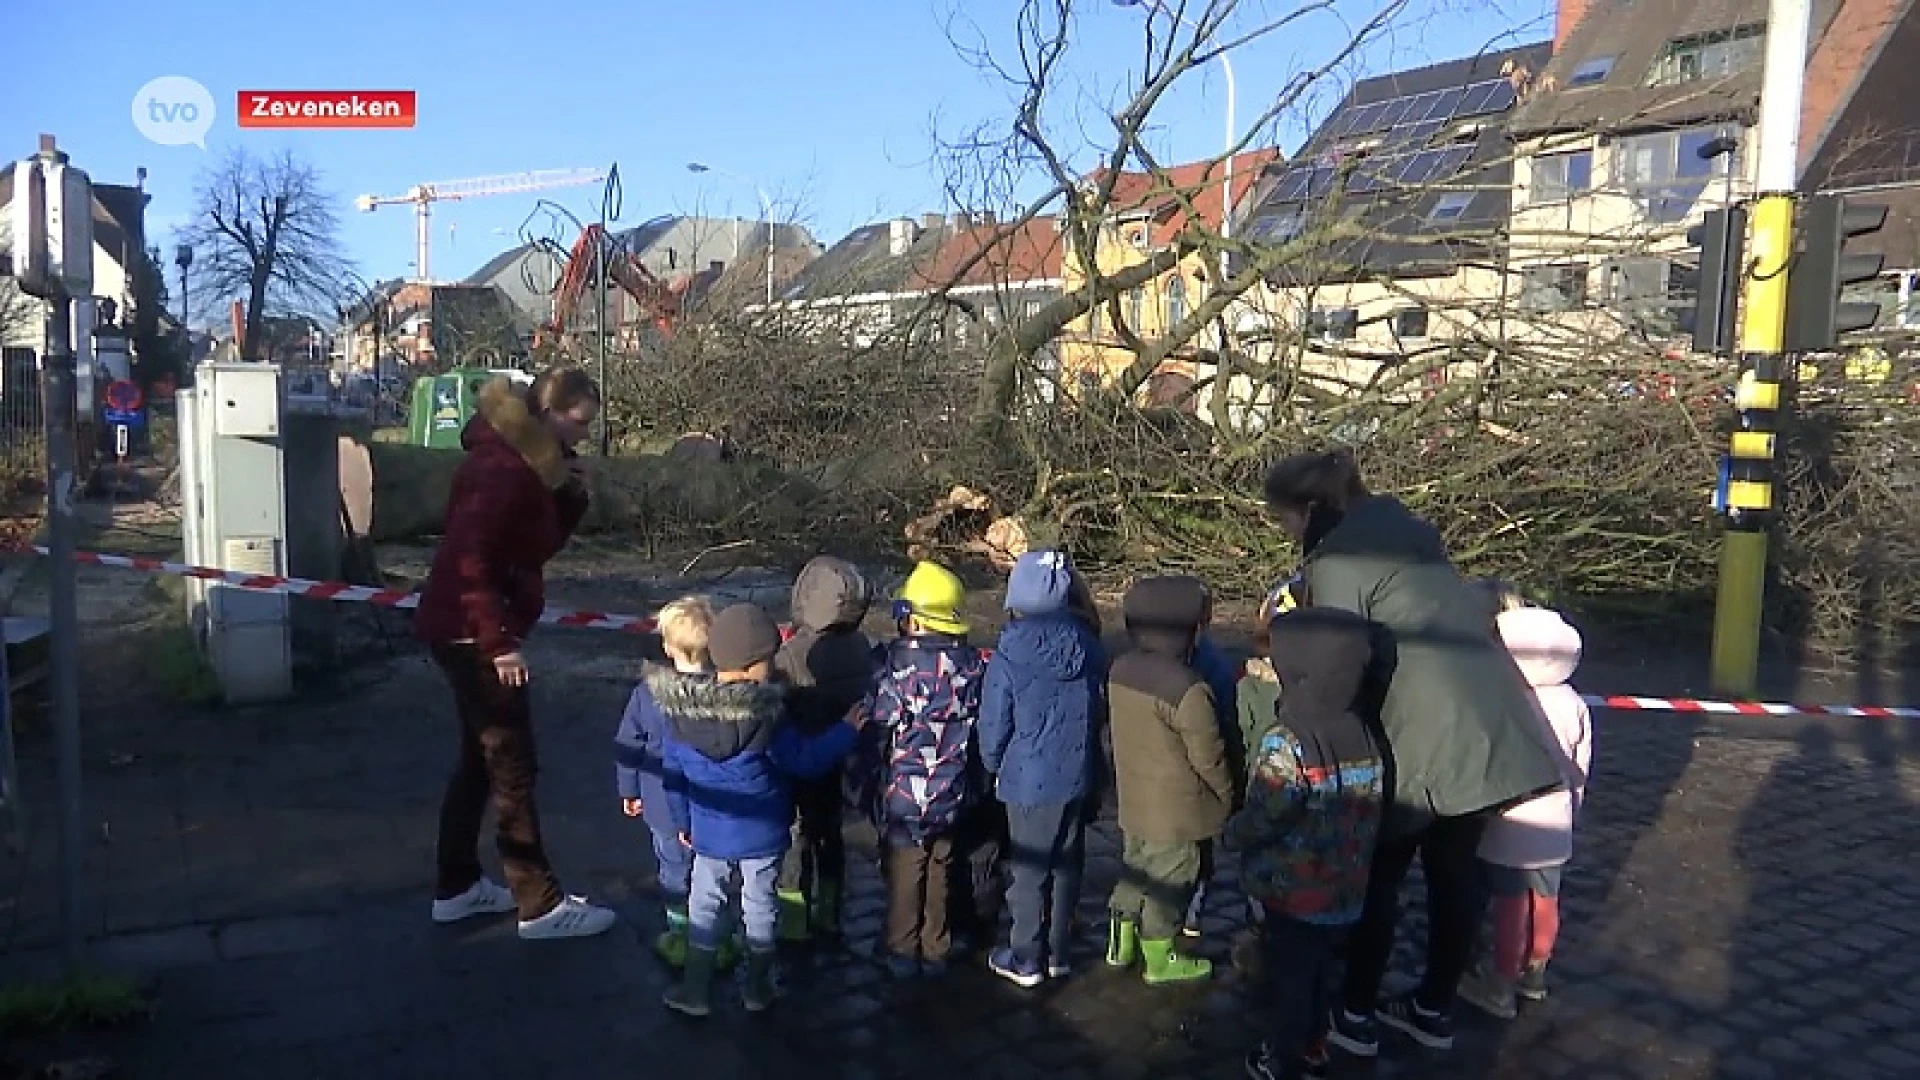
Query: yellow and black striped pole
x=1752 y=498
x=1750 y=495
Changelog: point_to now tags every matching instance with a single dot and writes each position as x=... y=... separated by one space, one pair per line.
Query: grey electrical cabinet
x=233 y=487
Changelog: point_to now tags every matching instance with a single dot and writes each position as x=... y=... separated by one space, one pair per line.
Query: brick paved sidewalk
x=1743 y=905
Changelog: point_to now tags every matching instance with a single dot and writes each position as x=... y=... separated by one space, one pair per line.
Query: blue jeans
x=759 y=902
x=674 y=861
x=1046 y=854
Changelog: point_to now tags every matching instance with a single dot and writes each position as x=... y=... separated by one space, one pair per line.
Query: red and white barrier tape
x=1748 y=708
x=637 y=624
x=338 y=590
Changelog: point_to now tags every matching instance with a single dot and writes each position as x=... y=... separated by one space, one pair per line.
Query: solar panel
x=1392 y=111
x=1292 y=185
x=1418 y=168
x=1365 y=119
x=1446 y=103
x=1502 y=98
x=1473 y=99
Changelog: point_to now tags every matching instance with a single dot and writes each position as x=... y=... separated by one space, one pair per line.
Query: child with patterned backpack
x=923 y=716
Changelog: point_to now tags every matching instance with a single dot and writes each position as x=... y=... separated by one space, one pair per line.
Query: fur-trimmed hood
x=719 y=720
x=503 y=417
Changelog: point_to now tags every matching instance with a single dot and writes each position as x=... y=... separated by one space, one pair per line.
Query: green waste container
x=442 y=404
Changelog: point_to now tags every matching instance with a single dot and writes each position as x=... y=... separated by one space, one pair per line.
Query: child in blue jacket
x=1042 y=708
x=640 y=750
x=731 y=764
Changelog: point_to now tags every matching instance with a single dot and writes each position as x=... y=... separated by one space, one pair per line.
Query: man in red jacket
x=514 y=503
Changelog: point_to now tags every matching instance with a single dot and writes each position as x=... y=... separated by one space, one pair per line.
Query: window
x=1138 y=238
x=1097 y=320
x=1591 y=72
x=1553 y=288
x=1333 y=324
x=1668 y=171
x=1450 y=206
x=1136 y=308
x=1559 y=177
x=1714 y=55
x=1176 y=302
x=1410 y=322
x=1636 y=281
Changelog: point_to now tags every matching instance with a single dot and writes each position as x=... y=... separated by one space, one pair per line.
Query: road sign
x=124 y=396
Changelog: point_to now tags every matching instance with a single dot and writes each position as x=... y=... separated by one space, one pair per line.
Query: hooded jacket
x=512 y=506
x=1169 y=752
x=1459 y=722
x=1315 y=800
x=731 y=762
x=828 y=664
x=640 y=745
x=923 y=720
x=1041 y=711
x=1539 y=832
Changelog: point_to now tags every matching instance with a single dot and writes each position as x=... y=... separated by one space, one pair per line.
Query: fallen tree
x=399 y=492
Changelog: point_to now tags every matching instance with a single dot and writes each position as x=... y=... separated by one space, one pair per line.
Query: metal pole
x=1738 y=613
x=766 y=210
x=600 y=324
x=58 y=402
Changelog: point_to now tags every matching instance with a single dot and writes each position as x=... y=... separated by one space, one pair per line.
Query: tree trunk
x=398 y=492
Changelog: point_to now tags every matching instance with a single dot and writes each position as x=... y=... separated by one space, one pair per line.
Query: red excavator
x=662 y=303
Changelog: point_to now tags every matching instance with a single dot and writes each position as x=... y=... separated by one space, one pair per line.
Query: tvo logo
x=174 y=110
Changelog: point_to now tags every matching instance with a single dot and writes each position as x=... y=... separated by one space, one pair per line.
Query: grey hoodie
x=829 y=665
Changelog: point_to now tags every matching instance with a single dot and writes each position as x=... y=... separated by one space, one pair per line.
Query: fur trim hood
x=719 y=720
x=504 y=408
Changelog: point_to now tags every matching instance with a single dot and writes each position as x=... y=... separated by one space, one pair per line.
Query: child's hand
x=631 y=807
x=859 y=715
x=686 y=841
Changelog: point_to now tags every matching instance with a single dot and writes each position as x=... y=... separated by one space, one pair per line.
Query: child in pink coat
x=1524 y=850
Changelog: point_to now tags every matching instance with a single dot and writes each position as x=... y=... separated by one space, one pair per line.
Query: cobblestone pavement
x=1743 y=905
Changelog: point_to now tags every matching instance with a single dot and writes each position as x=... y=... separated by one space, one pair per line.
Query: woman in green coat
x=1458 y=721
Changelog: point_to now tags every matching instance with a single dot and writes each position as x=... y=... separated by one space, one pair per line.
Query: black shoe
x=1356 y=1035
x=1430 y=1029
x=1533 y=983
x=1262 y=1065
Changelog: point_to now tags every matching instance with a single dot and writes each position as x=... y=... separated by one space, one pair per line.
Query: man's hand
x=511 y=669
x=859 y=715
x=631 y=807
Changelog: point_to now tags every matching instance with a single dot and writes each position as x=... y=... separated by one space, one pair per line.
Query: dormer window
x=1714 y=55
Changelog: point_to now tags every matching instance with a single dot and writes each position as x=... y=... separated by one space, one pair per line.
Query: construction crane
x=423 y=196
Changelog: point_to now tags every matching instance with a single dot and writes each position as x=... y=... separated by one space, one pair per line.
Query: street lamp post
x=766 y=208
x=183 y=258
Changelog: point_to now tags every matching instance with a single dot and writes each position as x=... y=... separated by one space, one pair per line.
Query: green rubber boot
x=694 y=995
x=758 y=993
x=793 y=915
x=1123 y=941
x=826 y=910
x=1166 y=965
x=727 y=956
x=671 y=945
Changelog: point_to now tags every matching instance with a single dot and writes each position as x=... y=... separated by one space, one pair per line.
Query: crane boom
x=423 y=196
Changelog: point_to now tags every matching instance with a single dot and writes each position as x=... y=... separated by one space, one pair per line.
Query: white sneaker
x=574 y=917
x=485 y=898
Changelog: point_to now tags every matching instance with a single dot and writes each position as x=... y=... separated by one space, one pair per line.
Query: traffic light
x=1721 y=237
x=1822 y=269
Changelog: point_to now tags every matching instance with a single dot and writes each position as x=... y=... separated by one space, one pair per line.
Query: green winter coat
x=1258 y=701
x=1457 y=713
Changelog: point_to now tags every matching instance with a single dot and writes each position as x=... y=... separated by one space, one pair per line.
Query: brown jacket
x=1169 y=757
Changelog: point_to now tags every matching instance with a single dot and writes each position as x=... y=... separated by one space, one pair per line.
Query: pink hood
x=1539 y=833
x=1546 y=646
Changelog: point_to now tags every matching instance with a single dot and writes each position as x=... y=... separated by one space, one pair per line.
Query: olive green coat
x=1457 y=713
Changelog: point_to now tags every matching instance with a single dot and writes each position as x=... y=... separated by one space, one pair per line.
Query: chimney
x=959 y=221
x=1566 y=18
x=932 y=221
x=989 y=218
x=900 y=236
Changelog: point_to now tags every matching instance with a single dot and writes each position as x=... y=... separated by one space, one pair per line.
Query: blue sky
x=829 y=104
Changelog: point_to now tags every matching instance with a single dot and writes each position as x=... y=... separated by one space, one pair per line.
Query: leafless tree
x=264 y=229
